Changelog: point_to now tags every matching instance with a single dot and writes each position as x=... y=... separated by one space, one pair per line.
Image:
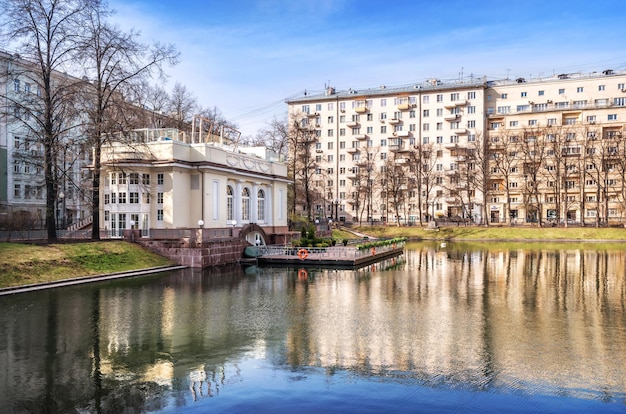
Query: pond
x=443 y=328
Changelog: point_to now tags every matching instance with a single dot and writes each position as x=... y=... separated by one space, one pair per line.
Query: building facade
x=551 y=150
x=22 y=184
x=407 y=140
x=162 y=183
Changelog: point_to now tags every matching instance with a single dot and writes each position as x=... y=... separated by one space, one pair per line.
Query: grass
x=580 y=234
x=23 y=264
x=342 y=234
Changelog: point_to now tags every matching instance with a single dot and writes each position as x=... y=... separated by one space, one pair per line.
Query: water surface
x=443 y=329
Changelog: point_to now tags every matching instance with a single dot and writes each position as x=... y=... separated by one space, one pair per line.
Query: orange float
x=303 y=254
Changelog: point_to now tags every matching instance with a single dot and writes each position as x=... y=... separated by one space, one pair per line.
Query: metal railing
x=334 y=252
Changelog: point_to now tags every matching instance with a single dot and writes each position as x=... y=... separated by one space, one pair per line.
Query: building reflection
x=477 y=317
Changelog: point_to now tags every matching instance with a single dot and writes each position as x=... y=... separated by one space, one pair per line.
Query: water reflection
x=473 y=318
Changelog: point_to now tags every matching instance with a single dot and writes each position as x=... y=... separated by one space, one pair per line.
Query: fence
x=335 y=252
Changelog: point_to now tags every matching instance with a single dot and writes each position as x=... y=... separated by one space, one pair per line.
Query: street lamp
x=200 y=223
x=336 y=211
x=60 y=212
x=132 y=231
x=234 y=223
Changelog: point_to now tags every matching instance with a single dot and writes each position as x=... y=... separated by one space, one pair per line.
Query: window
x=504 y=96
x=612 y=117
x=541 y=93
x=551 y=121
x=454 y=97
x=561 y=91
x=16 y=85
x=440 y=126
x=160 y=215
x=426 y=113
x=425 y=99
x=601 y=87
x=145 y=179
x=230 y=210
x=133 y=198
x=471 y=95
x=619 y=101
x=331 y=106
x=329 y=133
x=439 y=140
x=620 y=86
x=411 y=114
x=107 y=199
x=121 y=198
x=133 y=178
x=579 y=89
x=331 y=158
x=425 y=127
x=261 y=205
x=146 y=198
x=159 y=198
x=425 y=140
x=532 y=122
x=342 y=132
x=159 y=179
x=306 y=109
x=370 y=116
x=17 y=191
x=471 y=109
x=440 y=98
x=471 y=138
x=383 y=142
x=513 y=123
x=113 y=198
x=245 y=204
x=330 y=145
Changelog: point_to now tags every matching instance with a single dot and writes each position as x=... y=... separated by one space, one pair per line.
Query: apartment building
x=553 y=146
x=385 y=131
x=22 y=184
x=556 y=148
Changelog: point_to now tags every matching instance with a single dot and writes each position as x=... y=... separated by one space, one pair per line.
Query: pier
x=344 y=257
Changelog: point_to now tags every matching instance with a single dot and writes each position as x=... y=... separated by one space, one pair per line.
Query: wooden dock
x=338 y=257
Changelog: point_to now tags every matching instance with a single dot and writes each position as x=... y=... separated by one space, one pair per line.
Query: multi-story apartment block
x=22 y=186
x=365 y=142
x=556 y=148
x=552 y=150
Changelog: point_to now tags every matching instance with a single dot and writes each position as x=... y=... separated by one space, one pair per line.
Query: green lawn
x=23 y=264
x=498 y=233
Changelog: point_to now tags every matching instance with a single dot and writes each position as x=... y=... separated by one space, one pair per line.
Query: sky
x=246 y=57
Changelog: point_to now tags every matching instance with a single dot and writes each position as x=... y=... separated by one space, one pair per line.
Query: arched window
x=230 y=211
x=245 y=204
x=261 y=205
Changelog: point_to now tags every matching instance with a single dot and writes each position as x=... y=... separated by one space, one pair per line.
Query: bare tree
x=505 y=157
x=113 y=60
x=46 y=33
x=182 y=106
x=478 y=161
x=274 y=136
x=533 y=156
x=302 y=163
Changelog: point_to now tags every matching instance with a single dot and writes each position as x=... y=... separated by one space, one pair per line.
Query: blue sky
x=246 y=57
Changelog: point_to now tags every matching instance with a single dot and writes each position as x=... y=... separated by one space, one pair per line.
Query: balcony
x=461 y=131
x=404 y=106
x=452 y=117
x=352 y=124
x=360 y=109
x=396 y=147
x=353 y=150
x=403 y=133
x=312 y=115
x=455 y=104
x=360 y=137
x=394 y=121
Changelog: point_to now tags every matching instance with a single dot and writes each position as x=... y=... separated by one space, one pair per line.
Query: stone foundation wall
x=209 y=253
